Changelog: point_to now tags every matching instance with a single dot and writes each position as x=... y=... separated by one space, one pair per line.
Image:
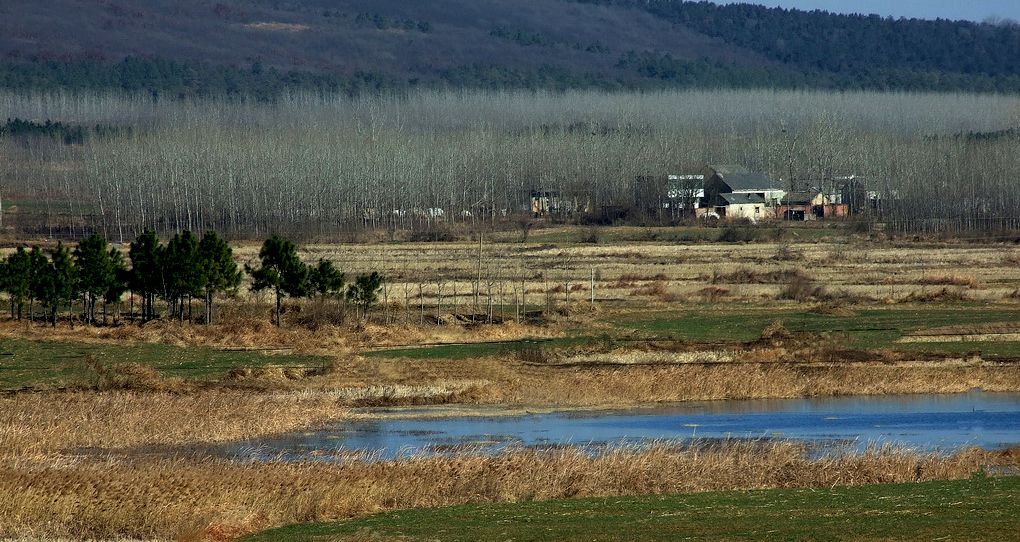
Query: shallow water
x=922 y=422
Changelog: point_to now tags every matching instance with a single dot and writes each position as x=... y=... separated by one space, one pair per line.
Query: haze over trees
x=126 y=140
x=310 y=166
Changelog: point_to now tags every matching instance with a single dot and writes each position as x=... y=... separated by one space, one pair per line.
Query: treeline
x=822 y=50
x=552 y=46
x=163 y=78
x=185 y=268
x=311 y=168
x=633 y=70
x=860 y=44
x=382 y=22
x=528 y=38
x=69 y=134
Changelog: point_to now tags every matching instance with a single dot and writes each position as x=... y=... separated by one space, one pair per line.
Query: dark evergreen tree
x=115 y=290
x=182 y=273
x=326 y=280
x=365 y=291
x=281 y=270
x=220 y=272
x=63 y=284
x=95 y=271
x=38 y=278
x=18 y=279
x=146 y=273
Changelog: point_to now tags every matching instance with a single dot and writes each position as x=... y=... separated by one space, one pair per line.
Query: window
x=757 y=210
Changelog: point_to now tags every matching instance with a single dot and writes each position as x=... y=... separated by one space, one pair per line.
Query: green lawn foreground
x=26 y=363
x=977 y=509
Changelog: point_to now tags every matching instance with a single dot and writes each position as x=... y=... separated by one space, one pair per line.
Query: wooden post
x=386 y=301
x=517 y=302
x=478 y=282
x=592 y=286
x=421 y=301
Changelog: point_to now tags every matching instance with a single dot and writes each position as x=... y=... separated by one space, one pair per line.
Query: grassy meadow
x=118 y=420
x=974 y=509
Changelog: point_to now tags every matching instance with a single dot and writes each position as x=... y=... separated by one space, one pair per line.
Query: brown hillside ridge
x=391 y=37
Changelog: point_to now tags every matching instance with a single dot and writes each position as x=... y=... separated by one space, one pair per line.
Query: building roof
x=802 y=197
x=742 y=199
x=741 y=178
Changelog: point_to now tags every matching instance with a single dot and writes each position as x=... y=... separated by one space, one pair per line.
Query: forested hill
x=262 y=47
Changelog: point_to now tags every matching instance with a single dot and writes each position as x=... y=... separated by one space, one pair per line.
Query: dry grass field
x=195 y=498
x=89 y=412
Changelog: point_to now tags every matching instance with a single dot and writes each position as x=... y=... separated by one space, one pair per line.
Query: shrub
x=713 y=293
x=937 y=296
x=534 y=354
x=734 y=234
x=127 y=376
x=802 y=288
x=744 y=275
x=862 y=224
x=786 y=253
x=592 y=235
x=436 y=233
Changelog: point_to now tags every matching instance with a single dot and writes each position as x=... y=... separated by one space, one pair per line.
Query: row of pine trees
x=177 y=272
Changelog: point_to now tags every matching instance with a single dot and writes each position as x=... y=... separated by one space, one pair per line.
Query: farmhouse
x=685 y=192
x=552 y=202
x=809 y=205
x=739 y=180
x=657 y=195
x=741 y=206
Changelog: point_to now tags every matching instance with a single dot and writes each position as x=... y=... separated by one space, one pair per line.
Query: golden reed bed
x=206 y=498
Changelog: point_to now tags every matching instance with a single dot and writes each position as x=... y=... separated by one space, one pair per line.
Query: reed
x=56 y=423
x=207 y=498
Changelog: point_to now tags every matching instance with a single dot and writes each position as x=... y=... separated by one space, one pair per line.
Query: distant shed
x=809 y=205
x=742 y=206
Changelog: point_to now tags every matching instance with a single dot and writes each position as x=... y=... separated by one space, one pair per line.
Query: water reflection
x=924 y=422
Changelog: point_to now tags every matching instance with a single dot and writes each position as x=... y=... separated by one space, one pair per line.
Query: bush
x=592 y=235
x=533 y=354
x=437 y=233
x=745 y=275
x=786 y=253
x=802 y=288
x=736 y=234
x=862 y=224
x=128 y=376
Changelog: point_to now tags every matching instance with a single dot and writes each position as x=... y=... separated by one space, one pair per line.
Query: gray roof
x=742 y=199
x=741 y=178
x=802 y=197
x=729 y=168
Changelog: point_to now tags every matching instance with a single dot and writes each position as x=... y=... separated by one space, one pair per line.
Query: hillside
x=262 y=46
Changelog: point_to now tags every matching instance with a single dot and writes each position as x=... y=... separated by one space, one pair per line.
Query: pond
x=923 y=422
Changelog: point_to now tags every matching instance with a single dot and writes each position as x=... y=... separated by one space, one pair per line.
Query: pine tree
x=63 y=281
x=182 y=272
x=365 y=291
x=281 y=270
x=118 y=285
x=146 y=274
x=95 y=271
x=18 y=279
x=44 y=289
x=326 y=280
x=38 y=278
x=220 y=271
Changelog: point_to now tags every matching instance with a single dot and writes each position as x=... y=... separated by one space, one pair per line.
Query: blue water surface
x=922 y=422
